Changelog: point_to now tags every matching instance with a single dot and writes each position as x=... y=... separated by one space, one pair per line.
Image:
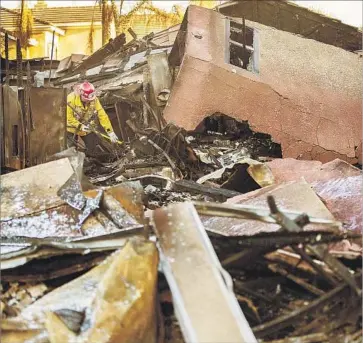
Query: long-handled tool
x=92 y=117
x=98 y=133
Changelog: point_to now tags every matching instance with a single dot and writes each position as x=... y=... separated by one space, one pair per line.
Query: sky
x=348 y=11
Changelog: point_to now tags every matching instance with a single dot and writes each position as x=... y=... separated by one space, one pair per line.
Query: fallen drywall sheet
x=343 y=197
x=293 y=196
x=289 y=169
x=337 y=183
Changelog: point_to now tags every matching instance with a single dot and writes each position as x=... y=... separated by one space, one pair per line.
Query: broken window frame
x=253 y=65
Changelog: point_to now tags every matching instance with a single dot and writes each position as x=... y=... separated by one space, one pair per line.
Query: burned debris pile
x=203 y=233
x=270 y=265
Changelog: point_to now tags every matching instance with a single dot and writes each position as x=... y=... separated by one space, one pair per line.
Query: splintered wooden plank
x=12 y=127
x=207 y=309
x=159 y=73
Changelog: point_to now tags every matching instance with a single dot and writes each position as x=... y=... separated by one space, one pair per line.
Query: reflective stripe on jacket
x=77 y=114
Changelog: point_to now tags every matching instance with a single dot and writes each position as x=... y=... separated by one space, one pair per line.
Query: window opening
x=240 y=44
x=15 y=139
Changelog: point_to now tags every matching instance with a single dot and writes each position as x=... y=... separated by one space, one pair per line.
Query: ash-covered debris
x=292 y=265
x=157 y=197
x=220 y=125
x=238 y=244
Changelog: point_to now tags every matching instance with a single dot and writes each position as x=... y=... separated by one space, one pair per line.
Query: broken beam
x=302 y=283
x=207 y=309
x=191 y=186
x=292 y=317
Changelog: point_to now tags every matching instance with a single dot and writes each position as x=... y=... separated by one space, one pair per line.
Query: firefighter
x=83 y=108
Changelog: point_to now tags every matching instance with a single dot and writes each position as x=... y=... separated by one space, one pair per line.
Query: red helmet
x=87 y=92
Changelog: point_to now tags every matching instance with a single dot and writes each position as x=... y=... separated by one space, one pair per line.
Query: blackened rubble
x=218 y=141
x=239 y=132
x=253 y=246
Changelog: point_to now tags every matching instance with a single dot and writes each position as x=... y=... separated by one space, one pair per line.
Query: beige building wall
x=39 y=49
x=12 y=50
x=75 y=41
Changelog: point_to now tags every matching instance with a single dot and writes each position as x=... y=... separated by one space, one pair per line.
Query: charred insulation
x=257 y=143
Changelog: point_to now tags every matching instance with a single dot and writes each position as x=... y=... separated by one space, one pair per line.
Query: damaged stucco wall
x=307 y=94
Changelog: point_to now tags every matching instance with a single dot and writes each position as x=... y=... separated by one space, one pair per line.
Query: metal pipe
x=246 y=47
x=51 y=58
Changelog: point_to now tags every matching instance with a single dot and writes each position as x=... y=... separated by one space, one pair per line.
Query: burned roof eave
x=177 y=53
x=290 y=17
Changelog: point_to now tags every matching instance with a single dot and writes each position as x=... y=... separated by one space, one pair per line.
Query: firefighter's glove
x=113 y=137
x=85 y=128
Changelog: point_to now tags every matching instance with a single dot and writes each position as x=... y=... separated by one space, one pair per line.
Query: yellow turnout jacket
x=78 y=114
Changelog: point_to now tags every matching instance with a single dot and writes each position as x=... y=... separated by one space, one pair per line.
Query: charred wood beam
x=313 y=16
x=241 y=287
x=193 y=187
x=313 y=338
x=275 y=240
x=289 y=319
x=12 y=72
x=53 y=268
x=7 y=57
x=132 y=33
x=302 y=283
x=98 y=57
x=121 y=127
x=320 y=251
x=51 y=57
x=19 y=64
x=292 y=260
x=319 y=269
